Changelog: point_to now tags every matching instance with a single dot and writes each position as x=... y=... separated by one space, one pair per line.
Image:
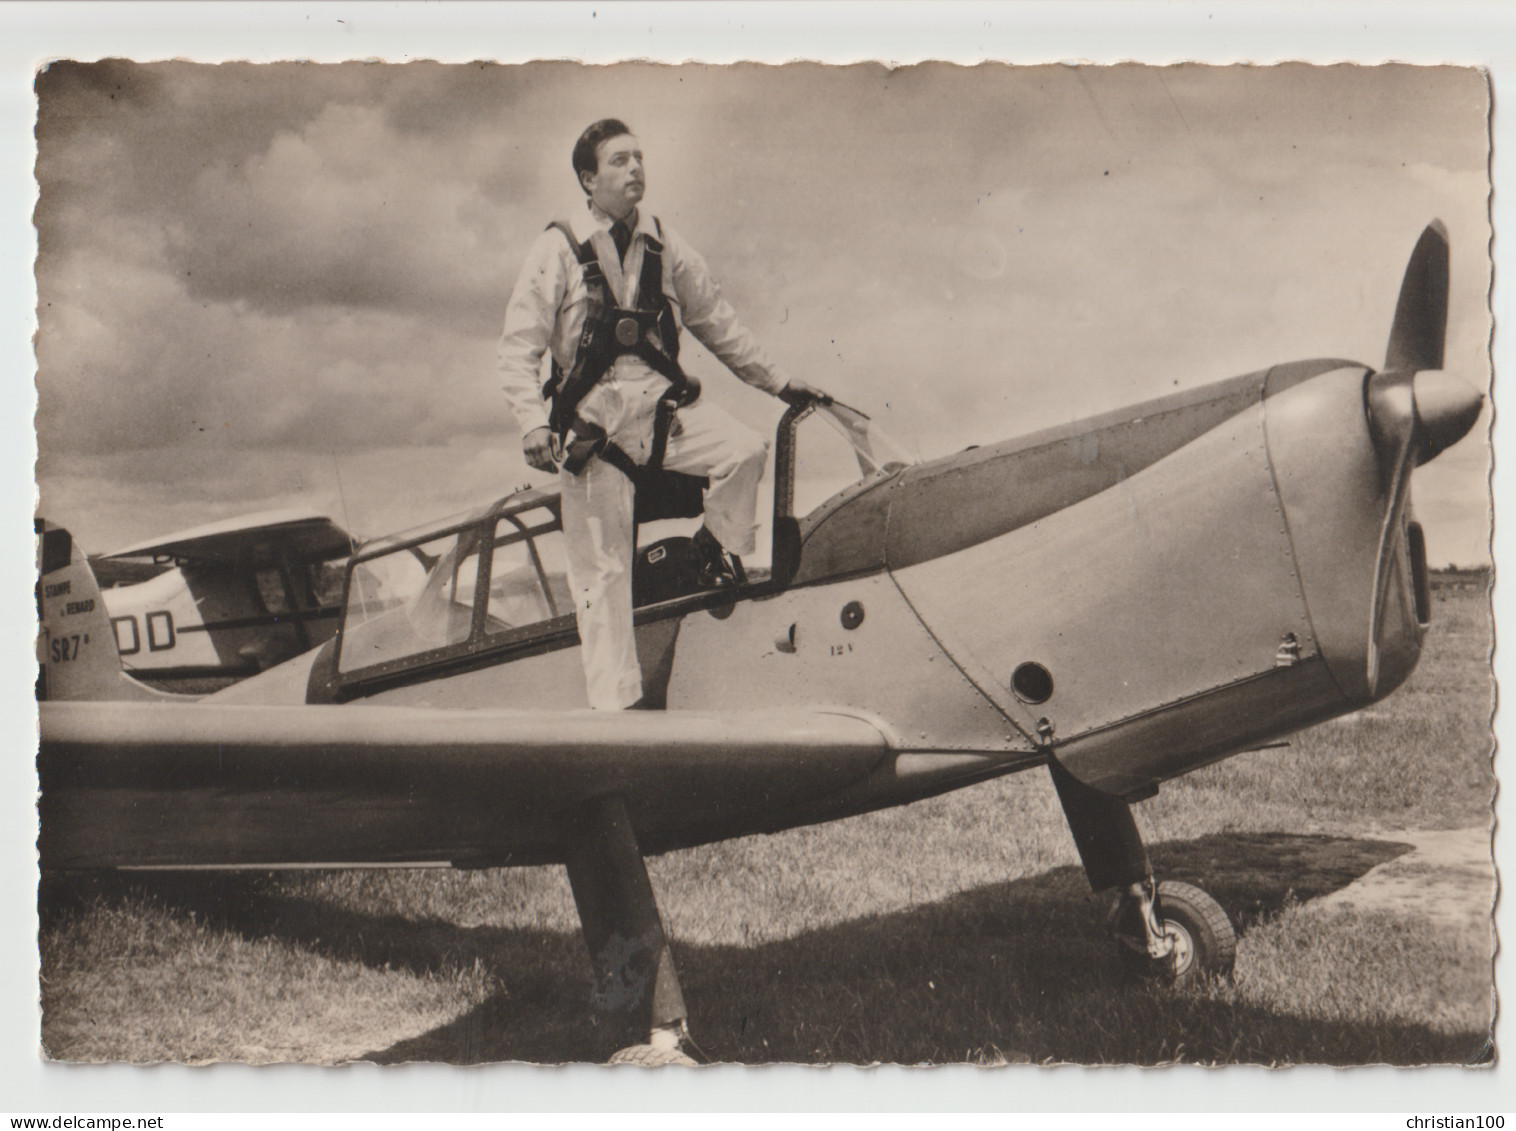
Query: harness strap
x=663 y=419
x=582 y=251
x=617 y=458
x=659 y=493
x=611 y=332
x=594 y=280
x=593 y=441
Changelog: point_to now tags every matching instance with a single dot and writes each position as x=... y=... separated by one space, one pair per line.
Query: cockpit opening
x=496 y=579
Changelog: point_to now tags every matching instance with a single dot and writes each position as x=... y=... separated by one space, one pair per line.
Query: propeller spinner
x=1414 y=409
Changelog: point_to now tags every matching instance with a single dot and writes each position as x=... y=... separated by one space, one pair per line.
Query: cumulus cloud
x=351 y=212
x=131 y=359
x=260 y=268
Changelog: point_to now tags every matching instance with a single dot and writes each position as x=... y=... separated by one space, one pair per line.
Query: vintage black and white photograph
x=697 y=564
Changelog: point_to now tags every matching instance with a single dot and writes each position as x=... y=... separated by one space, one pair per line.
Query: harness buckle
x=626 y=332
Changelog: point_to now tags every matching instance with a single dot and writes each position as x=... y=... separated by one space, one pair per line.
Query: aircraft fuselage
x=1133 y=596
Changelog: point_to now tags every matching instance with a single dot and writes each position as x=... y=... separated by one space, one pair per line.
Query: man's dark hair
x=586 y=159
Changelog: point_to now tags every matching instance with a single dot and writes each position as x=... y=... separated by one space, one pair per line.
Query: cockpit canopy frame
x=453 y=619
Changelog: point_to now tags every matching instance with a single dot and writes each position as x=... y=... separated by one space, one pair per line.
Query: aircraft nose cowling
x=1446 y=408
x=1343 y=479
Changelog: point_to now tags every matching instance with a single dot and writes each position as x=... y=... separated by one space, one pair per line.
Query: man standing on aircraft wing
x=606 y=293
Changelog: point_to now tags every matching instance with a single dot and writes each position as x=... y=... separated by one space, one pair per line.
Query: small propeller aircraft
x=1120 y=600
x=226 y=600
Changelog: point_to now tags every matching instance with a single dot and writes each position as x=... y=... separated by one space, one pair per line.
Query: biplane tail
x=77 y=654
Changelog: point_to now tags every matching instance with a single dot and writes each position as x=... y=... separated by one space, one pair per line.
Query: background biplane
x=226 y=600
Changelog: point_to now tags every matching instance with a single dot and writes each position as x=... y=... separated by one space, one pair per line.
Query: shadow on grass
x=1016 y=971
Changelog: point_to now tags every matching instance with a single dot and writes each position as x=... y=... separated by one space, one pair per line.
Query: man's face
x=617 y=185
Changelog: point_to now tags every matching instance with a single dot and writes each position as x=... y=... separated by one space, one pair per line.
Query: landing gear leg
x=636 y=992
x=1172 y=932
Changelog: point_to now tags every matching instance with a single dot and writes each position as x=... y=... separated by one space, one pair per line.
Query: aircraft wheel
x=649 y=1057
x=1204 y=942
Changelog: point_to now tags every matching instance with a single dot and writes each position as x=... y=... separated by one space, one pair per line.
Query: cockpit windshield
x=497 y=577
x=874 y=449
x=821 y=470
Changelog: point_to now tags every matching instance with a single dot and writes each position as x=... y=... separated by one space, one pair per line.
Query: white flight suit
x=546 y=313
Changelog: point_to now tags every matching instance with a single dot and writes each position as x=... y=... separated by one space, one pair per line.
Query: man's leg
x=709 y=442
x=597 y=530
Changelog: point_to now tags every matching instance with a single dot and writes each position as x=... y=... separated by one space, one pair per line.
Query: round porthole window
x=1032 y=683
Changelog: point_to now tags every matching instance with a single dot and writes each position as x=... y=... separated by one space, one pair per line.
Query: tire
x=646 y=1056
x=1205 y=945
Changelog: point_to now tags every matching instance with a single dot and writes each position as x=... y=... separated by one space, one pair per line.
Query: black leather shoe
x=715 y=571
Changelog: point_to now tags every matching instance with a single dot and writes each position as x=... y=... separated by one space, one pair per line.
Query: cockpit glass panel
x=528 y=575
x=382 y=583
x=271 y=591
x=533 y=521
x=845 y=448
x=326 y=583
x=872 y=447
x=516 y=593
x=417 y=598
x=312 y=583
x=554 y=562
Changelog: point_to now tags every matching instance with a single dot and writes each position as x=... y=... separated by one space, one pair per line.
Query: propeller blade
x=1414 y=409
x=1412 y=417
x=1421 y=314
x=1392 y=422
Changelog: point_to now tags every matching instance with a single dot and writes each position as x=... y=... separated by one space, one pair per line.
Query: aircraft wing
x=206 y=785
x=302 y=535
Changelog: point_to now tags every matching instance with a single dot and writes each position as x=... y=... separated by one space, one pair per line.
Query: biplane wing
x=227 y=599
x=249 y=539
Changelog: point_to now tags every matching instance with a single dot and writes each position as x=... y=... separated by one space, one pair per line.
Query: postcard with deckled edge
x=764 y=564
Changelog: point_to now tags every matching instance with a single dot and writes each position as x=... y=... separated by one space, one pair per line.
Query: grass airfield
x=955 y=930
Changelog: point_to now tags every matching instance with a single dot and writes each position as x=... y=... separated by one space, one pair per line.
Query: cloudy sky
x=281 y=285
